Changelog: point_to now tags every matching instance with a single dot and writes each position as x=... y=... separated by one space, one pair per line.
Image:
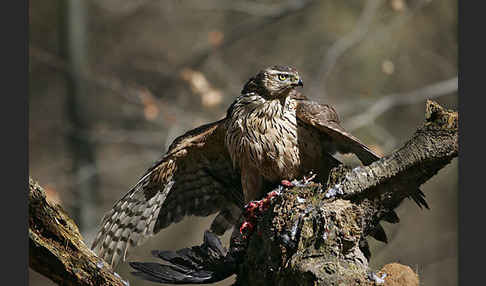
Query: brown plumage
x=271 y=132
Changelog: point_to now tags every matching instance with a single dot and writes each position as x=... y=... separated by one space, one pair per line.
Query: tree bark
x=56 y=248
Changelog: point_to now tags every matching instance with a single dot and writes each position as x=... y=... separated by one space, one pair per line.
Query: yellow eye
x=282 y=77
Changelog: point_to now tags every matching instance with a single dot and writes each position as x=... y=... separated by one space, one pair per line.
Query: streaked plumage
x=271 y=132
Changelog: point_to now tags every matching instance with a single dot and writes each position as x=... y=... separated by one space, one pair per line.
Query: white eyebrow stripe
x=281 y=72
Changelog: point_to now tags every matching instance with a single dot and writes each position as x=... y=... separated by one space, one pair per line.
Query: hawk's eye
x=282 y=76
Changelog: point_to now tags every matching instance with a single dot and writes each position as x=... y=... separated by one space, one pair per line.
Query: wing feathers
x=324 y=118
x=129 y=223
x=192 y=178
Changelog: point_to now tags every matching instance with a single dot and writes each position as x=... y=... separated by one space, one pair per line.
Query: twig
x=116 y=165
x=345 y=43
x=117 y=136
x=248 y=7
x=383 y=135
x=125 y=8
x=399 y=99
x=241 y=31
x=340 y=47
x=133 y=93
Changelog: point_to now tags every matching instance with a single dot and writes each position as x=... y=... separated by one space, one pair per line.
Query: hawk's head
x=274 y=82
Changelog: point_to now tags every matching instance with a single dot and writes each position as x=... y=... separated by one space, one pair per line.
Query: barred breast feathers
x=264 y=133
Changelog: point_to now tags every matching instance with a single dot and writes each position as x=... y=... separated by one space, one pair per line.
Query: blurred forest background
x=113 y=82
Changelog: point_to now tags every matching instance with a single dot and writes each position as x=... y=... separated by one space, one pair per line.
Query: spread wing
x=194 y=177
x=324 y=118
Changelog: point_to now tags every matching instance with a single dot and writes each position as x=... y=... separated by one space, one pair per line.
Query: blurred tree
x=73 y=50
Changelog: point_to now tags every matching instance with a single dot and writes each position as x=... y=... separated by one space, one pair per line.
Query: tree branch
x=399 y=99
x=335 y=52
x=57 y=250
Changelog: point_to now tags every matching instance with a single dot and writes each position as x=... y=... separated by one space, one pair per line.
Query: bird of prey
x=271 y=133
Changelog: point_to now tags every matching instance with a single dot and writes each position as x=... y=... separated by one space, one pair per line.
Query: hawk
x=271 y=133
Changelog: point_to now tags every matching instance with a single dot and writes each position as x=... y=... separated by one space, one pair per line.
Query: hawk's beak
x=298 y=83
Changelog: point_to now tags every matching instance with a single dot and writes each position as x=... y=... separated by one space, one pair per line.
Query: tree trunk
x=84 y=169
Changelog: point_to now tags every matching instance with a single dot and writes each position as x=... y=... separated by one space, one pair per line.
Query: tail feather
x=379 y=234
x=419 y=198
x=161 y=273
x=391 y=217
x=207 y=263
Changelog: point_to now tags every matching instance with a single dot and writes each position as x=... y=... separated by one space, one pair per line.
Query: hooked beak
x=298 y=83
